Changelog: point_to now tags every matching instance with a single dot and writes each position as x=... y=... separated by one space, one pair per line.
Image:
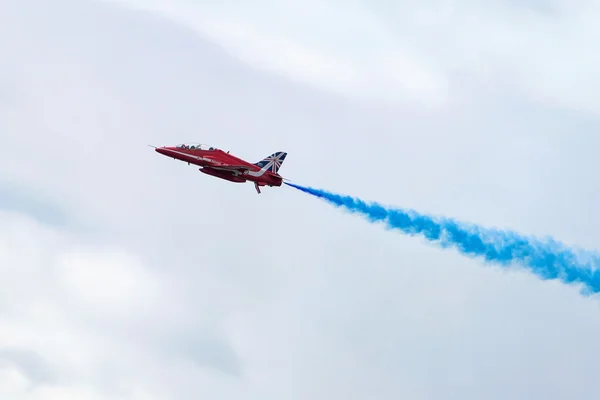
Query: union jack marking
x=273 y=162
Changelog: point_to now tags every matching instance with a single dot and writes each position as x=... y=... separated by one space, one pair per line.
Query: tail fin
x=273 y=162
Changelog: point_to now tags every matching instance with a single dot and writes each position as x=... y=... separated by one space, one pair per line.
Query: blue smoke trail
x=546 y=259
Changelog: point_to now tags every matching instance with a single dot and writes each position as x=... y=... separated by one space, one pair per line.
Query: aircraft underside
x=223 y=175
x=230 y=177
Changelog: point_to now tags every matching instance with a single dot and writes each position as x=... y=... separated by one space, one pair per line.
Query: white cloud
x=412 y=50
x=115 y=281
x=81 y=320
x=335 y=46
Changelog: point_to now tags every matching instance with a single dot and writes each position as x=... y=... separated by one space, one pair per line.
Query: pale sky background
x=126 y=275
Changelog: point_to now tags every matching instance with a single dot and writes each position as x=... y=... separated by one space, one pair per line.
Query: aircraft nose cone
x=161 y=150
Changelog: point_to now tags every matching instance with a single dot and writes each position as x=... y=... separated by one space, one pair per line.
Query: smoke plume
x=547 y=259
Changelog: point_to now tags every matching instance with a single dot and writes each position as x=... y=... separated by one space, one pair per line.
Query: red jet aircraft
x=223 y=165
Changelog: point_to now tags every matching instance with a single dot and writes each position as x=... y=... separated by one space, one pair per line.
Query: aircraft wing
x=235 y=169
x=232 y=168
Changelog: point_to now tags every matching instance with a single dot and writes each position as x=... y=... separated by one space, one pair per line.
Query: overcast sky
x=127 y=275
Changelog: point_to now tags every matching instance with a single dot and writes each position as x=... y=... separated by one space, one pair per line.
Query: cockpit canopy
x=195 y=146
